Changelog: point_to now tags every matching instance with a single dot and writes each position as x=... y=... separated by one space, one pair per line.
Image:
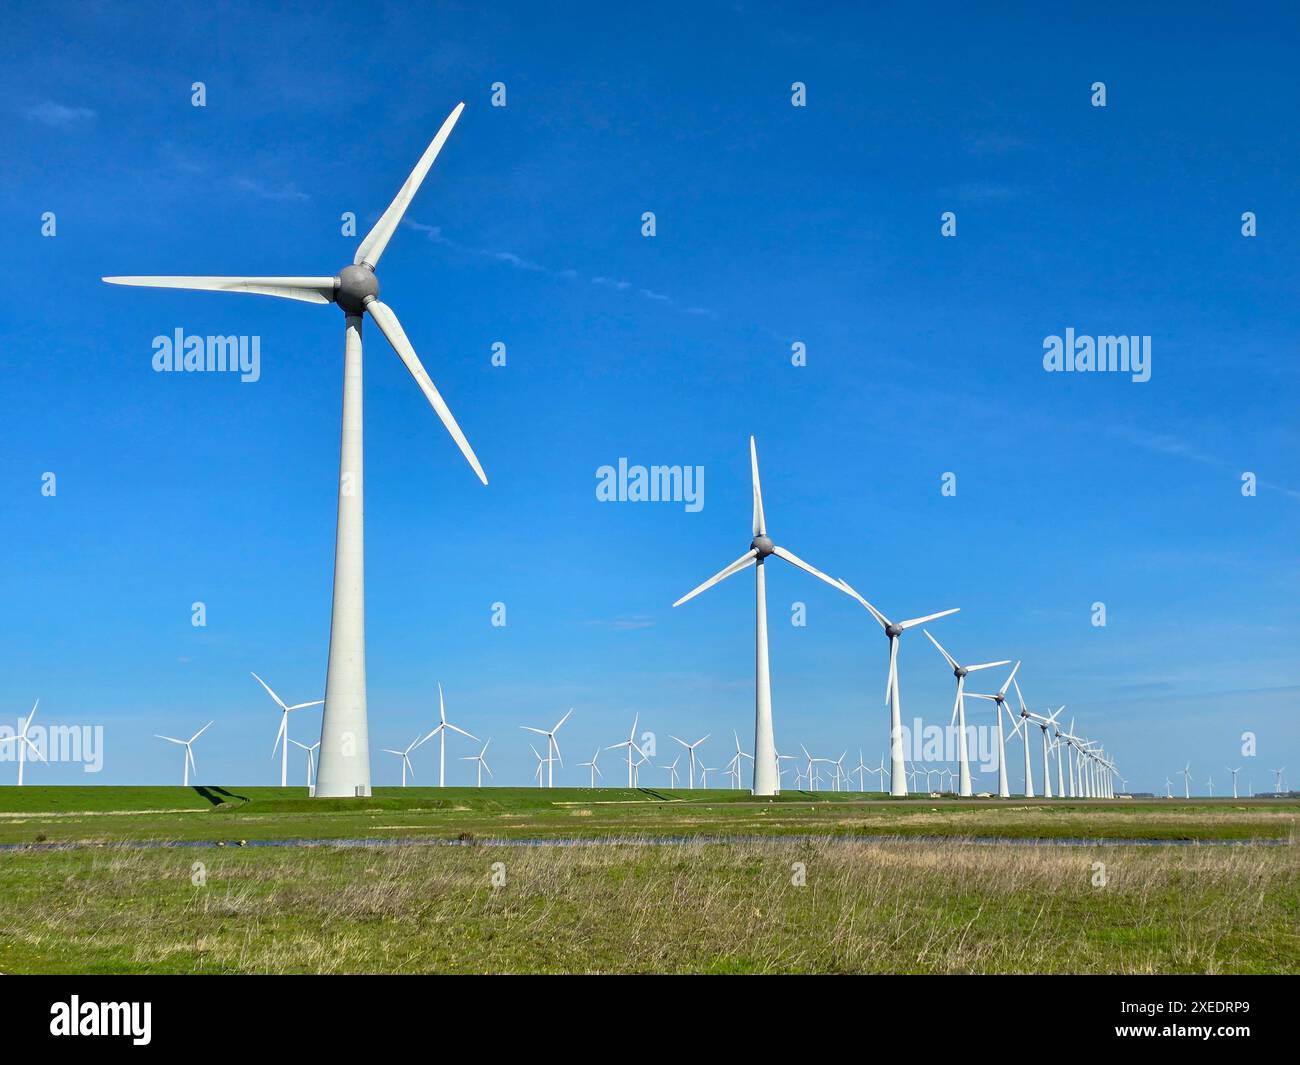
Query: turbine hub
x=355 y=287
x=893 y=631
x=763 y=545
x=960 y=672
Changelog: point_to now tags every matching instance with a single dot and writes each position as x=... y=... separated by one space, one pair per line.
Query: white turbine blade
x=566 y=718
x=760 y=522
x=912 y=623
x=951 y=661
x=795 y=560
x=189 y=757
x=463 y=732
x=681 y=741
x=169 y=739
x=30 y=716
x=977 y=695
x=278 y=701
x=377 y=239
x=442 y=705
x=35 y=750
x=988 y=665
x=284 y=721
x=556 y=744
x=303 y=706
x=1003 y=690
x=389 y=750
x=846 y=587
x=307 y=289
x=201 y=732
x=1016 y=685
x=392 y=329
x=892 y=678
x=956 y=703
x=744 y=561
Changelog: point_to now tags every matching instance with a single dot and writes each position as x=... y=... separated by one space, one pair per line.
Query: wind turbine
x=480 y=761
x=840 y=773
x=540 y=762
x=552 y=746
x=861 y=770
x=283 y=734
x=736 y=760
x=780 y=772
x=1234 y=773
x=1210 y=785
x=959 y=710
x=690 y=747
x=311 y=758
x=1169 y=788
x=631 y=745
x=1276 y=787
x=672 y=771
x=760 y=549
x=1187 y=780
x=1022 y=726
x=188 y=760
x=1045 y=723
x=345 y=752
x=441 y=732
x=21 y=738
x=808 y=770
x=595 y=769
x=999 y=699
x=897 y=782
x=405 y=756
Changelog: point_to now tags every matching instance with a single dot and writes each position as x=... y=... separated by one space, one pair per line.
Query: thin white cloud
x=283 y=194
x=59 y=116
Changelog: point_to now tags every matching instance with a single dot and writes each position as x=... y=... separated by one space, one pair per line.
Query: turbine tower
x=345 y=742
x=959 y=712
x=897 y=781
x=760 y=549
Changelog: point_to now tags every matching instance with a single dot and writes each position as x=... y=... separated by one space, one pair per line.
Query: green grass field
x=87 y=897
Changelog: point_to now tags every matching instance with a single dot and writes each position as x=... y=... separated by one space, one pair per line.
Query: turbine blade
x=529 y=728
x=303 y=706
x=880 y=618
x=306 y=289
x=566 y=718
x=278 y=701
x=743 y=562
x=201 y=732
x=1003 y=690
x=377 y=239
x=760 y=522
x=442 y=705
x=30 y=716
x=795 y=560
x=284 y=721
x=463 y=732
x=892 y=679
x=951 y=661
x=392 y=329
x=988 y=665
x=928 y=617
x=169 y=739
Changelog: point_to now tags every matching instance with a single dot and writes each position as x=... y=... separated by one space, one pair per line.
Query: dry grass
x=889 y=907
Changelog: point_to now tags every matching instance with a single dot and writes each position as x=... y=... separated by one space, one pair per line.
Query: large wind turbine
x=345 y=744
x=23 y=741
x=760 y=549
x=897 y=781
x=959 y=712
x=189 y=751
x=999 y=699
x=282 y=736
x=440 y=730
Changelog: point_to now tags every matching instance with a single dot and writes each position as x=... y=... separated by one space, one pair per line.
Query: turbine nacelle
x=355 y=287
x=762 y=545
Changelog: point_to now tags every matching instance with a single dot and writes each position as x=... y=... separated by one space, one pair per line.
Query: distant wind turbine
x=405 y=756
x=552 y=746
x=480 y=763
x=283 y=733
x=595 y=769
x=671 y=769
x=188 y=760
x=24 y=742
x=311 y=758
x=959 y=710
x=440 y=730
x=1234 y=773
x=1187 y=780
x=691 y=748
x=999 y=700
x=630 y=744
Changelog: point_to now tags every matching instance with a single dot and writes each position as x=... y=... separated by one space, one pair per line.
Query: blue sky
x=775 y=224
